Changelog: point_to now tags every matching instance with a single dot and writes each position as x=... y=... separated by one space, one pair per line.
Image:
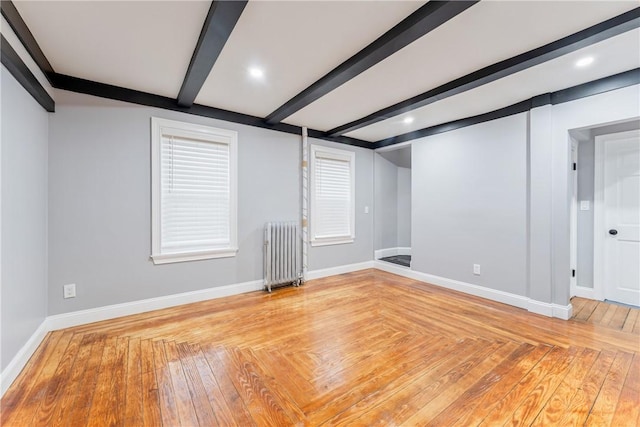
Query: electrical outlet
x=69 y=291
x=366 y=209
x=476 y=269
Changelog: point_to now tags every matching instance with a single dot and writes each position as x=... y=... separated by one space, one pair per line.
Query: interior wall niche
x=393 y=202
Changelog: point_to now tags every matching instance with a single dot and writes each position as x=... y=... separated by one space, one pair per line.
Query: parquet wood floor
x=365 y=348
x=610 y=315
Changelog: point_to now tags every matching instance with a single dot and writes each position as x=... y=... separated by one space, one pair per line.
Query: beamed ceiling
x=368 y=73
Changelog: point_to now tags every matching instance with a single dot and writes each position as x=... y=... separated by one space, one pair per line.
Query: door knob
x=613 y=232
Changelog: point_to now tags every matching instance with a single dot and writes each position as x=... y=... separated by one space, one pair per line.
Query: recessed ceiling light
x=256 y=73
x=584 y=61
x=407 y=120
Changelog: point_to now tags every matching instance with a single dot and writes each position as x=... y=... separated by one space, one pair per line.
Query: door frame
x=598 y=209
x=573 y=218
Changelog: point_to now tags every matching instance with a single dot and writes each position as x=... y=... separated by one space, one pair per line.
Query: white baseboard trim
x=583 y=292
x=332 y=271
x=563 y=312
x=82 y=317
x=381 y=253
x=546 y=309
x=13 y=369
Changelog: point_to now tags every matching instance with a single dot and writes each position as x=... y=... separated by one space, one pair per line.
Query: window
x=194 y=192
x=332 y=217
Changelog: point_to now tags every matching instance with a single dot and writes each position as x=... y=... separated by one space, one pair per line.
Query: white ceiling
x=484 y=34
x=139 y=45
x=147 y=46
x=610 y=57
x=295 y=43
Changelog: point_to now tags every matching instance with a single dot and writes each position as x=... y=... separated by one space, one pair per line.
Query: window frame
x=338 y=154
x=164 y=127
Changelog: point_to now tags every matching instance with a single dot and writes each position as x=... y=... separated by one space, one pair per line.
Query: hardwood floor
x=365 y=348
x=615 y=316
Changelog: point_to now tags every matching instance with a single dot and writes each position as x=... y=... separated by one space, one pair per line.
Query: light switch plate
x=584 y=205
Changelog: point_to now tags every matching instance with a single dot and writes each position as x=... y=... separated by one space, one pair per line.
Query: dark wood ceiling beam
x=221 y=19
x=103 y=90
x=25 y=36
x=422 y=21
x=510 y=110
x=606 y=84
x=19 y=70
x=597 y=33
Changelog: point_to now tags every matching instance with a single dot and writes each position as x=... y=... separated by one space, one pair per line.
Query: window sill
x=193 y=256
x=331 y=242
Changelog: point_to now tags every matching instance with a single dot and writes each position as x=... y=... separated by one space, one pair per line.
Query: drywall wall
x=24 y=216
x=595 y=111
x=403 y=204
x=585 y=171
x=400 y=157
x=361 y=250
x=393 y=199
x=100 y=207
x=539 y=204
x=544 y=163
x=469 y=203
x=386 y=209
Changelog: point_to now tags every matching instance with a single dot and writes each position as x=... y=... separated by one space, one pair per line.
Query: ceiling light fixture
x=256 y=73
x=584 y=61
x=407 y=120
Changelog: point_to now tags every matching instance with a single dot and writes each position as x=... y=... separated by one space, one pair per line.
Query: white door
x=622 y=218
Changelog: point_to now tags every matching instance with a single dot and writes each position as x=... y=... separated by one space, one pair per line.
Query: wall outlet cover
x=69 y=291
x=476 y=269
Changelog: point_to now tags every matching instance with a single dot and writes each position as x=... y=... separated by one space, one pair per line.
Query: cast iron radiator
x=282 y=264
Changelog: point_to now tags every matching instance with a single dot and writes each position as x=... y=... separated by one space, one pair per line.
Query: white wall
x=606 y=108
x=100 y=211
x=469 y=193
x=99 y=206
x=361 y=250
x=392 y=200
x=585 y=171
x=403 y=204
x=540 y=180
x=386 y=209
x=24 y=216
x=497 y=194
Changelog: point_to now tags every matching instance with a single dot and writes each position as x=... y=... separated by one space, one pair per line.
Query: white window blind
x=194 y=198
x=333 y=198
x=195 y=194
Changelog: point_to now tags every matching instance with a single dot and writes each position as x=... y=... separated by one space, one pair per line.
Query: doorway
x=617 y=217
x=605 y=266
